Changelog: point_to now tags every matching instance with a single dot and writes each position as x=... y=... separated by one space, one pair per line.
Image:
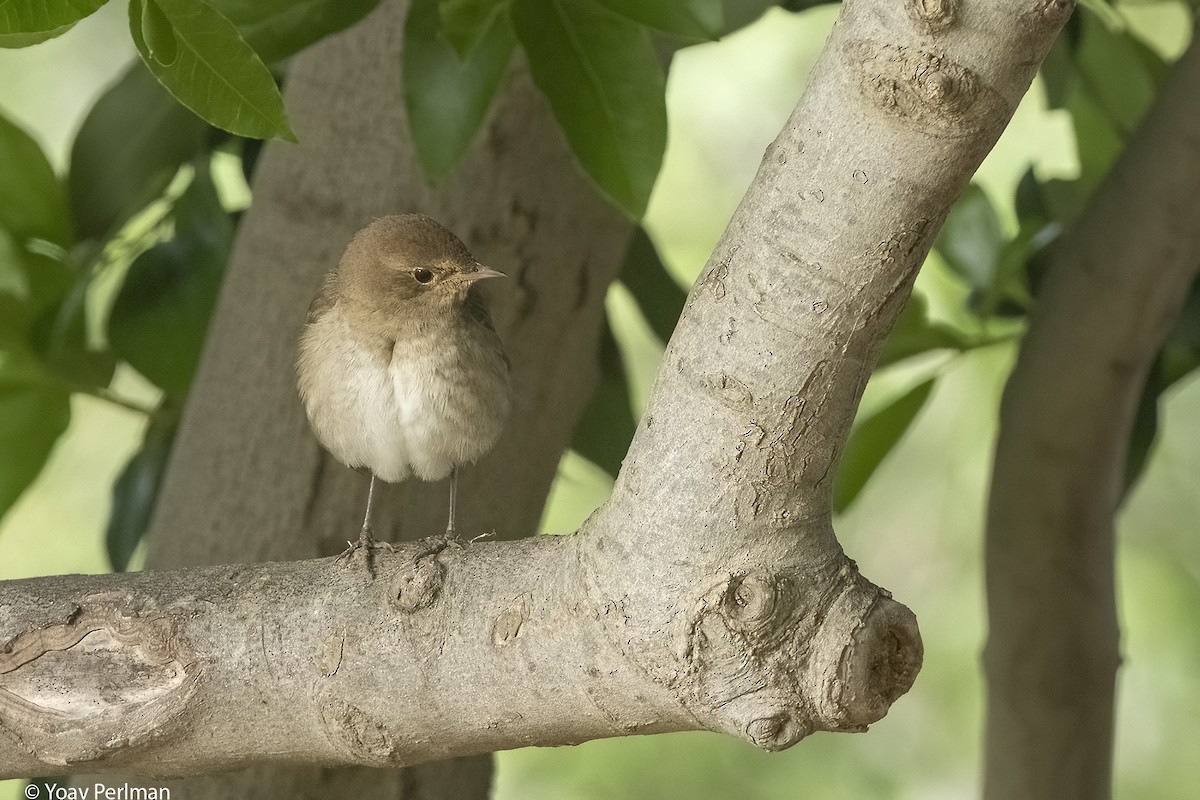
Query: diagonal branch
x=709 y=592
x=1109 y=301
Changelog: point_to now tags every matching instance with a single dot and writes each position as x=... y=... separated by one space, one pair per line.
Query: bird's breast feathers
x=417 y=406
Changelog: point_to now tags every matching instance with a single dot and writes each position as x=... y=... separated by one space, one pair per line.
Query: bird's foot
x=365 y=544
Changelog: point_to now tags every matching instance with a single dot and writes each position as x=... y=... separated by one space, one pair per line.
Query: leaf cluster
x=600 y=64
x=119 y=260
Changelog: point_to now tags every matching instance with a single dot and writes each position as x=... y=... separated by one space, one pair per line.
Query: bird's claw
x=365 y=544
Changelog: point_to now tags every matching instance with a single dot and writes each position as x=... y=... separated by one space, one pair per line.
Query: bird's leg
x=366 y=537
x=453 y=501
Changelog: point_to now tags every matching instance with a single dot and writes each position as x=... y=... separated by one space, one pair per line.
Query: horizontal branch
x=451 y=649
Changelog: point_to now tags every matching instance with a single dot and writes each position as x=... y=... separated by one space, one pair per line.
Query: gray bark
x=708 y=593
x=1109 y=300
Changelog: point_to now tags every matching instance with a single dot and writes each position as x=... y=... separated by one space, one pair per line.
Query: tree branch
x=709 y=592
x=1109 y=300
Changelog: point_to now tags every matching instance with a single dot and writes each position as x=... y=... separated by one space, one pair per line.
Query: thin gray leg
x=366 y=534
x=366 y=537
x=453 y=500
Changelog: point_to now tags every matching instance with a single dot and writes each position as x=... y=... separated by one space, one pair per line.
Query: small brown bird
x=400 y=369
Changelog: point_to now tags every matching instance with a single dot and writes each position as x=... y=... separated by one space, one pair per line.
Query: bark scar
x=112 y=675
x=418 y=583
x=926 y=89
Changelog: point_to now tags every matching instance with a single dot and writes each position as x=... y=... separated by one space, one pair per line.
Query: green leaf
x=277 y=29
x=1098 y=141
x=738 y=14
x=216 y=74
x=1187 y=327
x=1121 y=73
x=61 y=341
x=16 y=40
x=158 y=34
x=130 y=146
x=161 y=315
x=463 y=22
x=1180 y=354
x=871 y=440
x=447 y=97
x=914 y=333
x=15 y=316
x=1106 y=80
x=1009 y=293
x=34 y=412
x=606 y=86
x=607 y=425
x=1030 y=200
x=795 y=5
x=32 y=205
x=1042 y=249
x=691 y=19
x=971 y=239
x=40 y=16
x=1058 y=69
x=1179 y=357
x=136 y=491
x=38 y=280
x=658 y=296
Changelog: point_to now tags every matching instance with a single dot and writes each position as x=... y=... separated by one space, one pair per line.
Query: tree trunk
x=248 y=481
x=1109 y=300
x=709 y=592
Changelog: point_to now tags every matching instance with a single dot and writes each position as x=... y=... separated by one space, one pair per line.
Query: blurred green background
x=916 y=529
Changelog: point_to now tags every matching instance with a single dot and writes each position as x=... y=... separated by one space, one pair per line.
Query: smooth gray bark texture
x=709 y=592
x=1110 y=298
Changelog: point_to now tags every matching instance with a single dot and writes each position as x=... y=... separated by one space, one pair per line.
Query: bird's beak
x=481 y=273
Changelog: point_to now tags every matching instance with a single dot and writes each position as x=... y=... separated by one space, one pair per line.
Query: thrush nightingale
x=400 y=369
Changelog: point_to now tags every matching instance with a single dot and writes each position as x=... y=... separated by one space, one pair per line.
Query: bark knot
x=875 y=652
x=509 y=623
x=923 y=88
x=729 y=391
x=366 y=740
x=417 y=584
x=111 y=675
x=1051 y=13
x=739 y=647
x=931 y=16
x=718 y=273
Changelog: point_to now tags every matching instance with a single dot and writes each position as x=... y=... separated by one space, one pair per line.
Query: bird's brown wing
x=324 y=299
x=477 y=309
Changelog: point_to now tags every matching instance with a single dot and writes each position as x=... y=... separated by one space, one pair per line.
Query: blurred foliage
x=139 y=200
x=211 y=55
x=595 y=60
x=137 y=207
x=605 y=83
x=203 y=61
x=447 y=93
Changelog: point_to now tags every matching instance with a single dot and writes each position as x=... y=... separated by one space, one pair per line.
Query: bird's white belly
x=396 y=416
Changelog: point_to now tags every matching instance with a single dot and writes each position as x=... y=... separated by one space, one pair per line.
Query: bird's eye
x=422 y=275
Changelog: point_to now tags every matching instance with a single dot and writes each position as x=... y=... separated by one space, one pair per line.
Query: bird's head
x=409 y=260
